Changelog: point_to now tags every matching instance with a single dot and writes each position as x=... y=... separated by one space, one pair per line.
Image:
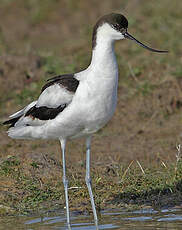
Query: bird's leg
x=88 y=179
x=65 y=181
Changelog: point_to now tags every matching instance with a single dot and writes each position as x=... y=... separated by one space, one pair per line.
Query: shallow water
x=109 y=219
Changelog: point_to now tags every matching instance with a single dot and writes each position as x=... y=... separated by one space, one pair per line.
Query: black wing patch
x=45 y=113
x=11 y=122
x=67 y=80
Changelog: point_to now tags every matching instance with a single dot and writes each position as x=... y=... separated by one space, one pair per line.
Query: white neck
x=103 y=56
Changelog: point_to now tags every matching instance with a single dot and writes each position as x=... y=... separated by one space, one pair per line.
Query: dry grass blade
x=125 y=172
x=178 y=157
x=132 y=72
x=75 y=187
x=140 y=167
x=162 y=163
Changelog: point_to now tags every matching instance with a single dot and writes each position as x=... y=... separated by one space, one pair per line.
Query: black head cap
x=117 y=21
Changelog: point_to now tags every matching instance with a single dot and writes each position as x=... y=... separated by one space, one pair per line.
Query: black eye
x=117 y=26
x=123 y=30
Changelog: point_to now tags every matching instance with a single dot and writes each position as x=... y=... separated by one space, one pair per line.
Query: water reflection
x=110 y=219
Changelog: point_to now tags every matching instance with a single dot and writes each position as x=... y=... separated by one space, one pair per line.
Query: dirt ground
x=45 y=38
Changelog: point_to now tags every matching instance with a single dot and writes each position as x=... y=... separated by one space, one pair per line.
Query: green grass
x=29 y=93
x=39 y=10
x=122 y=185
x=178 y=72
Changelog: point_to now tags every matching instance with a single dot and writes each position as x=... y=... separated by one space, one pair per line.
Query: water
x=146 y=219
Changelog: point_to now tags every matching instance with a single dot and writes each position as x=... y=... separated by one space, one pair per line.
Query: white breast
x=97 y=97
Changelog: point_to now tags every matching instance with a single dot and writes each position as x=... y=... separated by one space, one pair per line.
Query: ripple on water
x=110 y=219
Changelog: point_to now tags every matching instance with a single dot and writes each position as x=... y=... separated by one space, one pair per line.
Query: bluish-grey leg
x=65 y=181
x=88 y=180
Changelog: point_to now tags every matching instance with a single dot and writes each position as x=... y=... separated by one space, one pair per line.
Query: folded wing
x=56 y=95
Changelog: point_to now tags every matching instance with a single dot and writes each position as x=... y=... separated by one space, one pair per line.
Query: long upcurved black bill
x=129 y=36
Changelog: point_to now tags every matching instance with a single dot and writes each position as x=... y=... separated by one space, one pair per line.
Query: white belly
x=98 y=106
